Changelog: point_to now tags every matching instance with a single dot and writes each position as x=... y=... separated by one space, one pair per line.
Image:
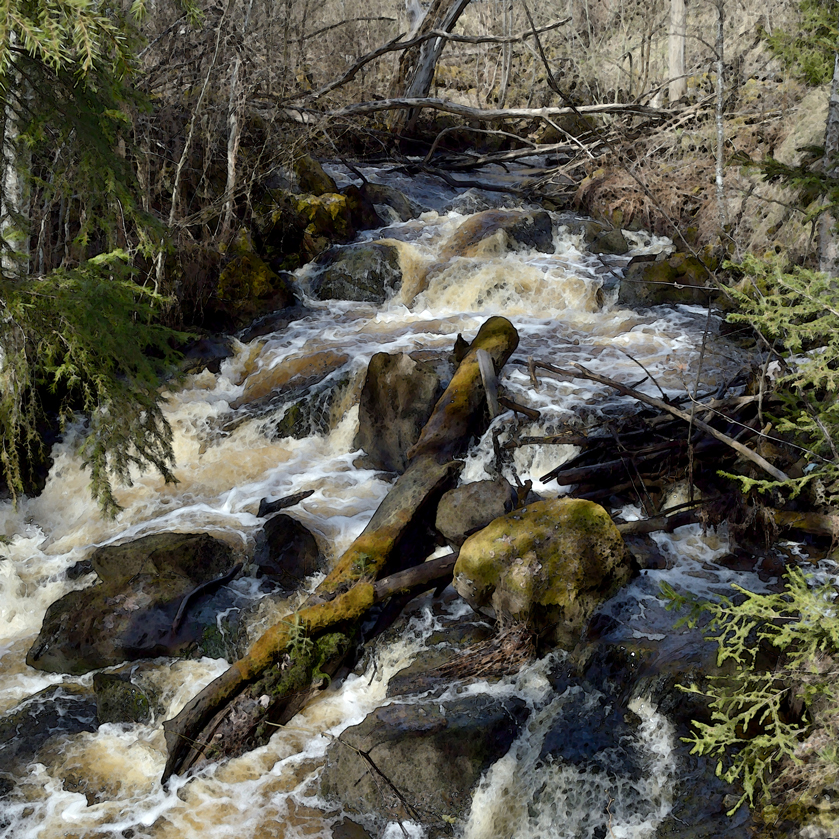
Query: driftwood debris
x=238 y=710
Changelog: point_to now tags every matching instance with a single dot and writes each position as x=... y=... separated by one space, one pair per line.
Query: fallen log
x=583 y=373
x=271 y=682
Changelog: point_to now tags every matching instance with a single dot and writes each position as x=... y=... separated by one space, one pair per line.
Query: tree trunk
x=417 y=65
x=676 y=50
x=267 y=686
x=828 y=231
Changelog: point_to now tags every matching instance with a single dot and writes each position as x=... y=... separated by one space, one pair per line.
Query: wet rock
x=549 y=564
x=389 y=196
x=611 y=242
x=679 y=278
x=56 y=710
x=119 y=700
x=152 y=601
x=396 y=401
x=531 y=229
x=207 y=354
x=465 y=510
x=293 y=376
x=311 y=176
x=317 y=412
x=366 y=272
x=286 y=552
x=362 y=212
x=432 y=753
x=196 y=556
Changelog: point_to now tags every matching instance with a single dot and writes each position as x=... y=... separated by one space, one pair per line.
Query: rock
x=396 y=401
x=367 y=271
x=248 y=287
x=465 y=510
x=610 y=241
x=311 y=176
x=286 y=552
x=54 y=711
x=119 y=700
x=293 y=376
x=132 y=613
x=389 y=196
x=434 y=753
x=548 y=564
x=532 y=229
x=197 y=556
x=207 y=353
x=362 y=212
x=679 y=278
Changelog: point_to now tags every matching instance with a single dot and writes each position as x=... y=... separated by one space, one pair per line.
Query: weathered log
x=316 y=637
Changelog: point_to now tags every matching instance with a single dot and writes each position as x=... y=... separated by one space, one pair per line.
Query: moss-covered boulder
x=367 y=272
x=311 y=176
x=119 y=700
x=550 y=564
x=679 y=278
x=248 y=287
x=610 y=242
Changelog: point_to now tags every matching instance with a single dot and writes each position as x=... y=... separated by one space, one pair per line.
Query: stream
x=90 y=783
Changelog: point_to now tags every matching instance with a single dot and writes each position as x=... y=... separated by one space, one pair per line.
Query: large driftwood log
x=271 y=682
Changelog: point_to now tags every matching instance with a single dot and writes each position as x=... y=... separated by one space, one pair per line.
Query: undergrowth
x=797 y=311
x=778 y=650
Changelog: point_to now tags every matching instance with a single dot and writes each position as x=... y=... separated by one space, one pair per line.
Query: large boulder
x=155 y=598
x=531 y=229
x=396 y=401
x=432 y=752
x=548 y=565
x=367 y=272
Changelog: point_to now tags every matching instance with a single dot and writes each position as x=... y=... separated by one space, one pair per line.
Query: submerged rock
x=366 y=272
x=549 y=564
x=433 y=753
x=55 y=711
x=152 y=601
x=118 y=699
x=396 y=401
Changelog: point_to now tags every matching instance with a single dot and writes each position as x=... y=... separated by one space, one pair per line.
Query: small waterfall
x=92 y=784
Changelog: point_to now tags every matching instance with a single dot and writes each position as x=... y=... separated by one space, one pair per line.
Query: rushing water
x=105 y=783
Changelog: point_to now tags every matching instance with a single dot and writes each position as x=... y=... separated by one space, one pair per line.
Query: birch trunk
x=676 y=50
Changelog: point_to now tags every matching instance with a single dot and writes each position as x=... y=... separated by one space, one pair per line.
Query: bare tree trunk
x=506 y=53
x=234 y=129
x=416 y=67
x=676 y=50
x=828 y=232
x=14 y=197
x=723 y=212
